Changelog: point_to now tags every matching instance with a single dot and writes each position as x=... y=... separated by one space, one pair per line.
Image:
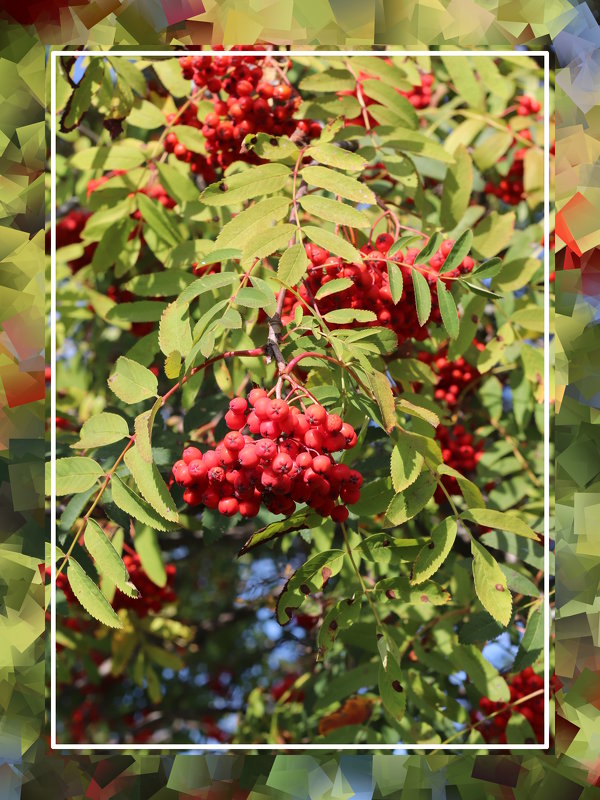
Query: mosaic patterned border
x=29 y=769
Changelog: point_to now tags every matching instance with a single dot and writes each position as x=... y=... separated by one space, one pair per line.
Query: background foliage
x=22 y=414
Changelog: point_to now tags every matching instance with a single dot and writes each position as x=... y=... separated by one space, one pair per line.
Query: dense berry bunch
x=459 y=451
x=152 y=597
x=527 y=105
x=453 y=377
x=244 y=102
x=371 y=289
x=523 y=684
x=284 y=459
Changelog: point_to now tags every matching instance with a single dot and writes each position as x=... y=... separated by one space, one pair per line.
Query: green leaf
x=192 y=138
x=448 y=310
x=481 y=290
x=101 y=429
x=405 y=505
x=338 y=184
x=388 y=73
x=518 y=583
x=90 y=596
x=399 y=589
x=422 y=296
x=132 y=382
x=81 y=96
x=390 y=98
x=490 y=584
x=532 y=643
x=458 y=185
x=488 y=269
x=139 y=311
x=434 y=553
x=460 y=249
x=341 y=316
x=265 y=179
x=271 y=148
x=335 y=244
x=146 y=546
x=493 y=234
x=470 y=491
x=334 y=286
x=133 y=505
x=75 y=474
x=268 y=241
x=409 y=141
x=391 y=683
x=174 y=332
x=107 y=560
x=406 y=463
x=462 y=75
x=172 y=364
x=145 y=114
x=330 y=80
x=334 y=211
x=341 y=616
x=384 y=396
x=178 y=185
x=156 y=216
x=143 y=431
x=491 y=149
x=336 y=157
x=396 y=281
x=430 y=248
x=309 y=578
x=251 y=297
x=253 y=220
x=482 y=674
x=292 y=265
x=208 y=283
x=500 y=520
x=151 y=485
x=169 y=73
x=302 y=520
x=167 y=283
x=109 y=158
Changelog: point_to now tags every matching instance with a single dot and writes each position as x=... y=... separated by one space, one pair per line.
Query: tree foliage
x=361 y=234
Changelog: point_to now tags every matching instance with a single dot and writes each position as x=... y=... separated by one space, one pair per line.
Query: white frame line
x=54 y=55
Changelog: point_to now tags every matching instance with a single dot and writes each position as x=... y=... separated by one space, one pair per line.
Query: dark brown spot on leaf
x=304 y=589
x=390 y=594
x=396 y=686
x=326 y=573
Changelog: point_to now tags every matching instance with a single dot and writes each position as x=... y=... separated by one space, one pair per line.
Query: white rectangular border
x=54 y=54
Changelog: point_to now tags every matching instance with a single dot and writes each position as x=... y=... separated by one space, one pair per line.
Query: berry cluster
x=152 y=597
x=68 y=232
x=527 y=105
x=523 y=684
x=371 y=289
x=286 y=458
x=510 y=189
x=253 y=105
x=453 y=377
x=460 y=452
